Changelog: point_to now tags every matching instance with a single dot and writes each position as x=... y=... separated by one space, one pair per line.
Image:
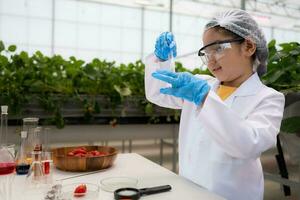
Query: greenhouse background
x=78 y=67
x=125 y=31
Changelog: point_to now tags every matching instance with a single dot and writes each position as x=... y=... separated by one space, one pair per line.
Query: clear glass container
x=36 y=140
x=45 y=141
x=29 y=125
x=22 y=163
x=4 y=131
x=35 y=176
x=48 y=166
x=7 y=168
x=3 y=136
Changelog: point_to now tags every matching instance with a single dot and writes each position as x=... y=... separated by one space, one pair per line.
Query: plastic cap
x=23 y=134
x=4 y=109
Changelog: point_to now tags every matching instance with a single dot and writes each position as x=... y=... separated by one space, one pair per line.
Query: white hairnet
x=242 y=24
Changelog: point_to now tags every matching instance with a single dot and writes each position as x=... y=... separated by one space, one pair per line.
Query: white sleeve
x=239 y=137
x=152 y=85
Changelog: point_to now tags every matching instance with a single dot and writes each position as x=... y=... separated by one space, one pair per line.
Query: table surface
x=148 y=173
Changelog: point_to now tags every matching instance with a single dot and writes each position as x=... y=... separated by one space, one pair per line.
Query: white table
x=148 y=173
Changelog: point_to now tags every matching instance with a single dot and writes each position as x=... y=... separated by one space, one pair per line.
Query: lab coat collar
x=249 y=87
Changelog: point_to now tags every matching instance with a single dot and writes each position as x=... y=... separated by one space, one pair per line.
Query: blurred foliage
x=284 y=75
x=283 y=67
x=52 y=81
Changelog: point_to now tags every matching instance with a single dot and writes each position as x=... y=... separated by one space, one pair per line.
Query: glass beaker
x=7 y=168
x=29 y=125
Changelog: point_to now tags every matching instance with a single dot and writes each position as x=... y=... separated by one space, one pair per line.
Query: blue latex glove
x=165 y=46
x=184 y=85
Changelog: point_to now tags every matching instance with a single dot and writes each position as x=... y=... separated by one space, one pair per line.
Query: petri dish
x=113 y=183
x=92 y=192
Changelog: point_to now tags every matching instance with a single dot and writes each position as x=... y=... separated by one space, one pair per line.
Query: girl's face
x=230 y=65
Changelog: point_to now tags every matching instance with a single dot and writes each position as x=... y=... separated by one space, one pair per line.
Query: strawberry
x=80 y=190
x=70 y=153
x=79 y=151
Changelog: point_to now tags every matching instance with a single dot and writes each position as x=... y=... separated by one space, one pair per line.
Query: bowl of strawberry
x=84 y=158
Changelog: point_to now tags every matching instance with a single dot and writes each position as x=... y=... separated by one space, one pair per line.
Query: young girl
x=227 y=121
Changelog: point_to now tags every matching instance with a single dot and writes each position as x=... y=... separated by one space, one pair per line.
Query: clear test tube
x=37 y=139
x=46 y=132
x=48 y=167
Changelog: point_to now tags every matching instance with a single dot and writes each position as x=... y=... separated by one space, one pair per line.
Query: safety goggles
x=216 y=49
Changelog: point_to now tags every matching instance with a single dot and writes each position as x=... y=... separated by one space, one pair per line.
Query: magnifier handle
x=155 y=190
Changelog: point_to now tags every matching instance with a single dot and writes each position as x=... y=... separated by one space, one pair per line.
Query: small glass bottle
x=22 y=162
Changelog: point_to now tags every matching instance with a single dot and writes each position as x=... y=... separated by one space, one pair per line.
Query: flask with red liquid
x=7 y=169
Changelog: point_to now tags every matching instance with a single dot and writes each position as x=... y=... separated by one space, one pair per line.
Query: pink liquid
x=7 y=168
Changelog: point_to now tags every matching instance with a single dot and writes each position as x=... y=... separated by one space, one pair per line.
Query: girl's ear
x=249 y=48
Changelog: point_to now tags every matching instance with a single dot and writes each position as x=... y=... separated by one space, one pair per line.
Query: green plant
x=53 y=82
x=284 y=75
x=283 y=67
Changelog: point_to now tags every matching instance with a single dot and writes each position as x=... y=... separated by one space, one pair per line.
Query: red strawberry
x=80 y=190
x=79 y=151
x=70 y=153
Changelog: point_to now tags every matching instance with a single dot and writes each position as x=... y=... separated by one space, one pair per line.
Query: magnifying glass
x=134 y=193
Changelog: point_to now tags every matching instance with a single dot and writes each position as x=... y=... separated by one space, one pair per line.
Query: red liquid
x=46 y=167
x=7 y=168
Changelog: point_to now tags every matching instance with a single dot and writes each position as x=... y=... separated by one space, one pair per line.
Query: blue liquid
x=22 y=169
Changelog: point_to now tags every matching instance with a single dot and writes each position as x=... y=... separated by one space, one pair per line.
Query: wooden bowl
x=84 y=164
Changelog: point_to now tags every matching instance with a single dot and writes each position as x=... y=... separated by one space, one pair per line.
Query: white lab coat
x=221 y=141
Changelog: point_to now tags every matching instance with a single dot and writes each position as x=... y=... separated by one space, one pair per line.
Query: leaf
x=125 y=91
x=295 y=52
x=24 y=56
x=275 y=76
x=291 y=125
x=149 y=109
x=12 y=48
x=272 y=43
x=2 y=47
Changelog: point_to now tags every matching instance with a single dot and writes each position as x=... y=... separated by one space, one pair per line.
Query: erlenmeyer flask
x=22 y=163
x=7 y=168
